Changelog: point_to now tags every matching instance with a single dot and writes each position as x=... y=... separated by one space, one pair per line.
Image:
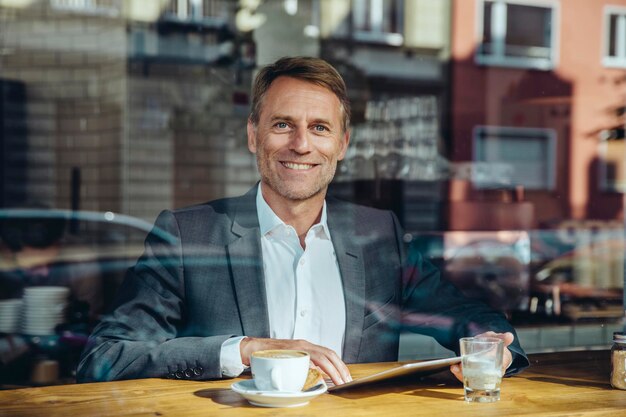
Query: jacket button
x=188 y=373
x=171 y=375
x=179 y=374
x=197 y=371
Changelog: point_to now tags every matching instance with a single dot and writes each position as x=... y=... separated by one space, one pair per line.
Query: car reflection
x=573 y=273
x=59 y=269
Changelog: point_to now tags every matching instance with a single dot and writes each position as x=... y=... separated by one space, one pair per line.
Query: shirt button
x=302 y=313
x=302 y=261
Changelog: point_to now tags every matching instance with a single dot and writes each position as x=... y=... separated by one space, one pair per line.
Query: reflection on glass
x=124 y=108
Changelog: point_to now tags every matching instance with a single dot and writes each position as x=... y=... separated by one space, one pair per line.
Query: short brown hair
x=314 y=70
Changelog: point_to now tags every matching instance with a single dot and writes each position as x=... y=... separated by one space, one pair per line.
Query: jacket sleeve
x=435 y=307
x=141 y=338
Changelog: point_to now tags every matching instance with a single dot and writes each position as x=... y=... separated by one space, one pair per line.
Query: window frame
x=87 y=7
x=618 y=61
x=499 y=58
x=615 y=183
x=369 y=36
x=192 y=10
x=549 y=134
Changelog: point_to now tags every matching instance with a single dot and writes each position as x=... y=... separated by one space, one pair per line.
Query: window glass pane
x=527 y=155
x=114 y=110
x=171 y=7
x=613 y=35
x=380 y=16
x=211 y=8
x=389 y=16
x=487 y=8
x=528 y=26
x=361 y=15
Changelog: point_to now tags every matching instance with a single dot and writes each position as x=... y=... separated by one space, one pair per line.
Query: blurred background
x=494 y=129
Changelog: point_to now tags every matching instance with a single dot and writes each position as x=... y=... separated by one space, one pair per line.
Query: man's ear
x=251 y=129
x=345 y=141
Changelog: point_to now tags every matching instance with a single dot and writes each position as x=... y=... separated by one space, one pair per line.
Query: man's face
x=298 y=139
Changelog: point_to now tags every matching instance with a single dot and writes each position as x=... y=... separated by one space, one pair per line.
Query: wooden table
x=558 y=384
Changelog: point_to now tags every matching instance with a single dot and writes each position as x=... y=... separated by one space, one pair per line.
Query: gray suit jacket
x=186 y=296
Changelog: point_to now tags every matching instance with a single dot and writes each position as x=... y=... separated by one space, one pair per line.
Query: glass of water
x=482 y=368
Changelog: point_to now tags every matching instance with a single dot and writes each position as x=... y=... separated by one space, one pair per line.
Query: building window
x=88 y=7
x=528 y=153
x=378 y=21
x=615 y=37
x=197 y=9
x=612 y=168
x=517 y=34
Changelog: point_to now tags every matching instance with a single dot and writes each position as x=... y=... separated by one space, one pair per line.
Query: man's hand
x=325 y=359
x=507 y=357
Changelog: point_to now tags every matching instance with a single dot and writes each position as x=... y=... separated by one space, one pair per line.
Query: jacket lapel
x=246 y=262
x=341 y=223
x=245 y=259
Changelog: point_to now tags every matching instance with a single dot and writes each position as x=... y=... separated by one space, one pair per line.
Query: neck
x=299 y=214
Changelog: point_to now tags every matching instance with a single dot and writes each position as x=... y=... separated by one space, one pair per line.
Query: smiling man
x=284 y=266
x=298 y=136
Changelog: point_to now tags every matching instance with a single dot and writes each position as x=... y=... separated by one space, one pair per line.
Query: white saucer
x=275 y=398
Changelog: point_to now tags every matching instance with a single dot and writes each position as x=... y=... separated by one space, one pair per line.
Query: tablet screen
x=425 y=367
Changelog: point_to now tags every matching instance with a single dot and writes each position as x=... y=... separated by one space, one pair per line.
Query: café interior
x=493 y=129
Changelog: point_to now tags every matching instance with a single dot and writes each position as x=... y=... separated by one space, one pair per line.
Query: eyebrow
x=322 y=121
x=281 y=117
x=291 y=119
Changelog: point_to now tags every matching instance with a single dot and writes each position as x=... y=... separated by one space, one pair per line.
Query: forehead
x=292 y=96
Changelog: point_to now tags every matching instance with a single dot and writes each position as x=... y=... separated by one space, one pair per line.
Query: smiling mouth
x=298 y=167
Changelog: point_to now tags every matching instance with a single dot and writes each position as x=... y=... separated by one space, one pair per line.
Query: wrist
x=244 y=349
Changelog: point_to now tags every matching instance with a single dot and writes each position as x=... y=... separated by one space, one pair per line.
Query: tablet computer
x=425 y=367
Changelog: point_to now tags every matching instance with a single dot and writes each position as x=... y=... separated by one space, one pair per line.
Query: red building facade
x=538 y=89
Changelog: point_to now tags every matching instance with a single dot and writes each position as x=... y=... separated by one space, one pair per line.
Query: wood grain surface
x=557 y=384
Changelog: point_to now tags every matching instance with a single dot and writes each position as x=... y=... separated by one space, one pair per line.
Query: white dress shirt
x=305 y=297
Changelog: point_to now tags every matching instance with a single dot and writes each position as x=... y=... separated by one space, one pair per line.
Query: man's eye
x=320 y=128
x=281 y=125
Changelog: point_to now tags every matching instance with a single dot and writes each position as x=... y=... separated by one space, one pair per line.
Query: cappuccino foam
x=279 y=354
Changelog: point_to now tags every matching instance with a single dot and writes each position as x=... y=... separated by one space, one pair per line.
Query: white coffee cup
x=279 y=370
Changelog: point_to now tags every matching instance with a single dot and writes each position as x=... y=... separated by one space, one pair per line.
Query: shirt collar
x=268 y=220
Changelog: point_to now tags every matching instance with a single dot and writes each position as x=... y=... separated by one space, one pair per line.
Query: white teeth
x=292 y=165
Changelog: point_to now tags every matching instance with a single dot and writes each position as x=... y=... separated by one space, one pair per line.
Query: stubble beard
x=292 y=191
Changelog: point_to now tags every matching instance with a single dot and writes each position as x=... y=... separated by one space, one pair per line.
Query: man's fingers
x=507 y=359
x=332 y=365
x=457 y=371
x=326 y=359
x=328 y=368
x=507 y=338
x=340 y=366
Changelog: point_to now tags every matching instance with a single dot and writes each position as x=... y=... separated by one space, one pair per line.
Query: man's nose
x=300 y=141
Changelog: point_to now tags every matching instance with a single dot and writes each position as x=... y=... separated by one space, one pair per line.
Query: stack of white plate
x=44 y=309
x=10 y=315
